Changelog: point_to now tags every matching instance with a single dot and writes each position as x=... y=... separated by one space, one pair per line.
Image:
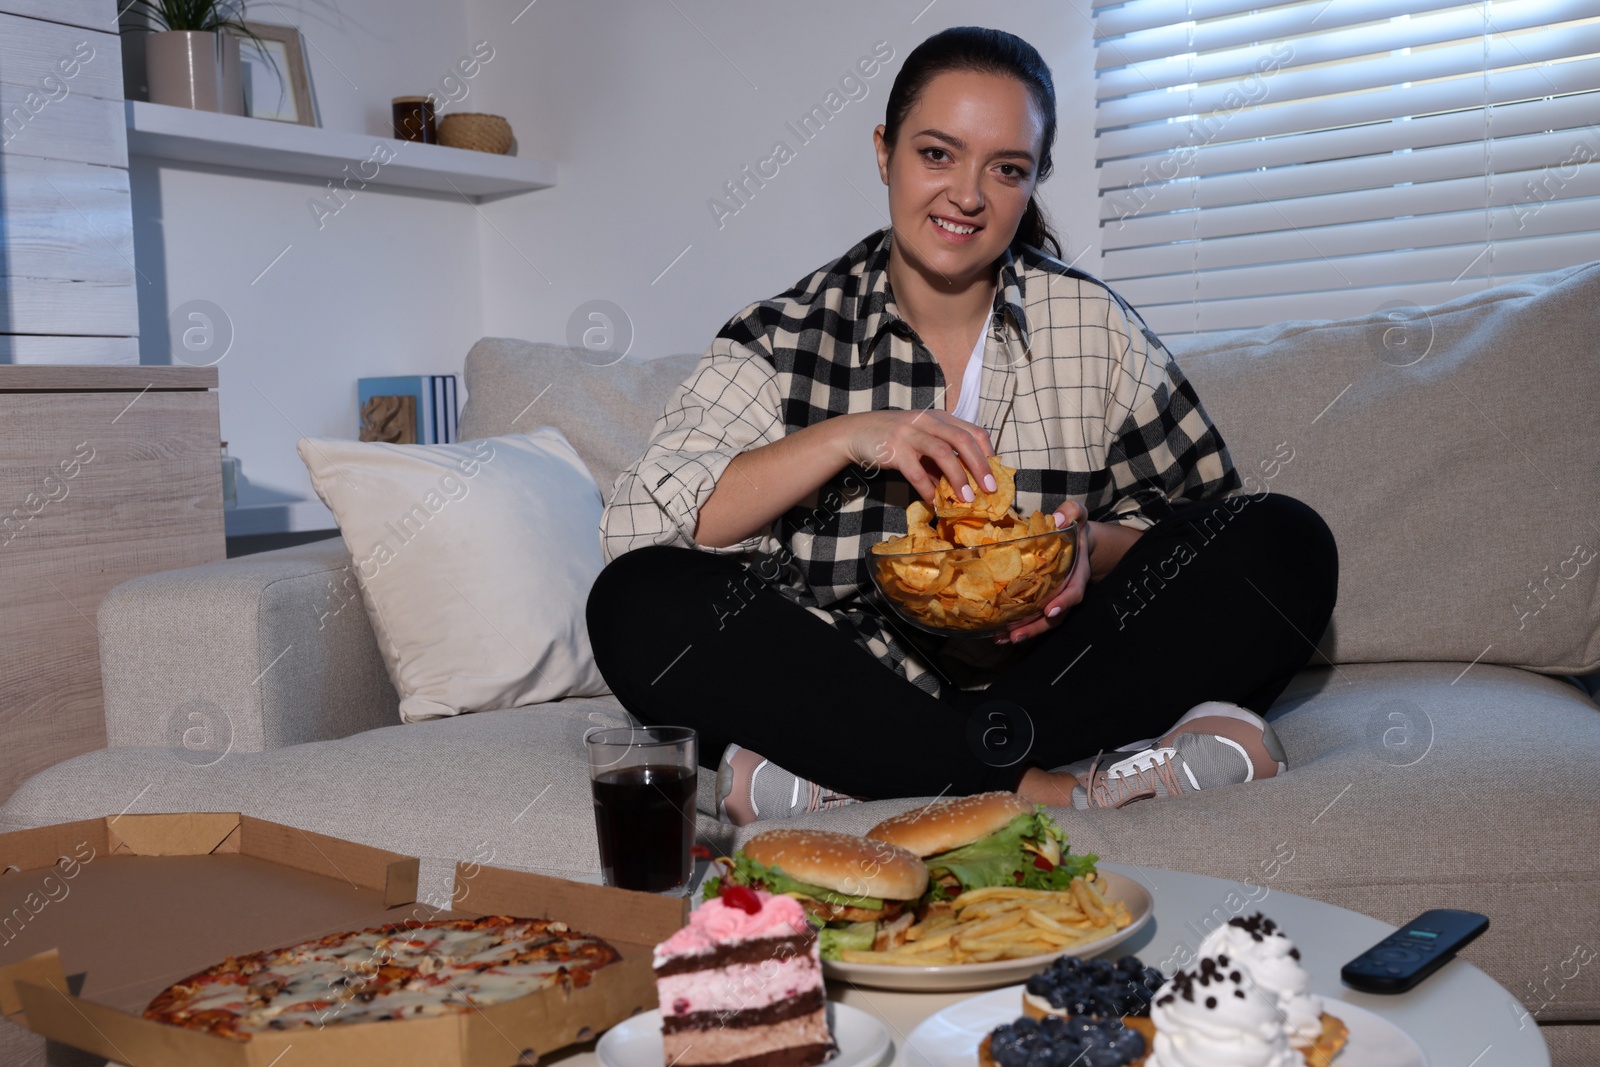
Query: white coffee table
x=1461 y=1017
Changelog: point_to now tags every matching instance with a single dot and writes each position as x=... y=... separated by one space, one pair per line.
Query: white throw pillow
x=475 y=562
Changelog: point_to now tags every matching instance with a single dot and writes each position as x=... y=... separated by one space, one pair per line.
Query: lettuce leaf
x=748 y=872
x=855 y=936
x=1000 y=859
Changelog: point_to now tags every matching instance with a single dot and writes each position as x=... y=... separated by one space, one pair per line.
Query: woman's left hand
x=1071 y=591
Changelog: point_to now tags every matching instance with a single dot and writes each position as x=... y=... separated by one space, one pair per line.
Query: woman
x=733 y=596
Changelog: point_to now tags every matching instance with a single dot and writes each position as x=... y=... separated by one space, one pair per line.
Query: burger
x=988 y=839
x=859 y=893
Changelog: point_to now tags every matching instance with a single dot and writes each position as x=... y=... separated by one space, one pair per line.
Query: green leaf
x=1000 y=857
x=748 y=872
x=857 y=937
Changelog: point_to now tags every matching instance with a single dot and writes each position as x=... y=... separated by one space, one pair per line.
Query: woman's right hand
x=921 y=445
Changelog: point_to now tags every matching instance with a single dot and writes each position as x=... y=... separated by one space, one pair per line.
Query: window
x=1261 y=162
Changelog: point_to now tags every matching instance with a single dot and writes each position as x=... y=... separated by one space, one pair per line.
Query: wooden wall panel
x=77 y=127
x=89 y=14
x=65 y=220
x=66 y=306
x=95 y=488
x=57 y=351
x=31 y=49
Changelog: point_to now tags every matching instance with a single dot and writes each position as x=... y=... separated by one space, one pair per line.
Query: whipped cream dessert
x=1216 y=1016
x=1271 y=961
x=741 y=985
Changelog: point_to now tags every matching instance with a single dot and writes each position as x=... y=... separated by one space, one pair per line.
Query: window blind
x=1264 y=161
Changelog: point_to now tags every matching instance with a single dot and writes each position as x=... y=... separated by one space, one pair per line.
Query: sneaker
x=1213 y=744
x=751 y=787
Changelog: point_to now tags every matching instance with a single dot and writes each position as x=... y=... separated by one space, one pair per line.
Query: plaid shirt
x=1077 y=394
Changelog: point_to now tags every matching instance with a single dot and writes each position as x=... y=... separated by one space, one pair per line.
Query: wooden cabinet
x=106 y=473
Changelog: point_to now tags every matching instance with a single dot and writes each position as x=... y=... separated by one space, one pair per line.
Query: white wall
x=650 y=107
x=646 y=109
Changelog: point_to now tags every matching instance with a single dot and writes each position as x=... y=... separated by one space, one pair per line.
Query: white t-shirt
x=967 y=402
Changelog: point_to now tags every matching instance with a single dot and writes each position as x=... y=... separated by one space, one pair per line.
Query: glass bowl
x=978 y=590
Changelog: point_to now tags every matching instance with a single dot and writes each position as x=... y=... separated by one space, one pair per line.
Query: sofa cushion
x=1455 y=453
x=514 y=783
x=605 y=407
x=1405 y=792
x=473 y=579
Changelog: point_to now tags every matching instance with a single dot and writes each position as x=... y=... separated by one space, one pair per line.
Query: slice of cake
x=741 y=985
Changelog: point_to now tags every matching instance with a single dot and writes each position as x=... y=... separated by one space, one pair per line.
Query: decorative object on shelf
x=428 y=401
x=192 y=56
x=391 y=419
x=277 y=82
x=413 y=119
x=477 y=131
x=196 y=70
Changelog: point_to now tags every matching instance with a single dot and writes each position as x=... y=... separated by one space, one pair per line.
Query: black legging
x=1224 y=600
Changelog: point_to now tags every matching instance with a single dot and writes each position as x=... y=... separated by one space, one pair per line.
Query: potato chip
x=981 y=610
x=1005 y=563
x=974 y=580
x=972 y=532
x=894 y=545
x=984 y=504
x=918 y=572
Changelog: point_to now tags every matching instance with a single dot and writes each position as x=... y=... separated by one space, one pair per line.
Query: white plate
x=636 y=1042
x=953 y=976
x=951 y=1038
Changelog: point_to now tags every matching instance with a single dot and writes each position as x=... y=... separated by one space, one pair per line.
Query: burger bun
x=947 y=824
x=844 y=863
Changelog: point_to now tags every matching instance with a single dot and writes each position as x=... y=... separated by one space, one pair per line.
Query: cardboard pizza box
x=97 y=917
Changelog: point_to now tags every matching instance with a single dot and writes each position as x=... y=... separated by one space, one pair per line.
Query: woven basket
x=477 y=131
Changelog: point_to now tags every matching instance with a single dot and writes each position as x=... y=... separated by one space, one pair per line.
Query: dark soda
x=645 y=817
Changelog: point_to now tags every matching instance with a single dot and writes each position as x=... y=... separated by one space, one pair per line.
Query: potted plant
x=192 y=52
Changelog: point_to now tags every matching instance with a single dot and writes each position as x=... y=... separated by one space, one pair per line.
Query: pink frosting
x=714 y=924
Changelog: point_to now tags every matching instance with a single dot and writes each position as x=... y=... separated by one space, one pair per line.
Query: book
x=417 y=386
x=433 y=398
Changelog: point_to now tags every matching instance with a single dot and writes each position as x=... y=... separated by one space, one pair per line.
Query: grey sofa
x=1443 y=742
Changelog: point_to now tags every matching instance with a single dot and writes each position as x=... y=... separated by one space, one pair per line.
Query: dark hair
x=983 y=51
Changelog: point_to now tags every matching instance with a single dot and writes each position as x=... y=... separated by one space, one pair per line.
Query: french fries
x=1001 y=923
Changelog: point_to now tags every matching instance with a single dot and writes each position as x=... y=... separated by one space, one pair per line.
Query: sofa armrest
x=253 y=653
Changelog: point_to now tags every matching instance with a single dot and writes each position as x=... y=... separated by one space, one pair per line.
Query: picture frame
x=277 y=82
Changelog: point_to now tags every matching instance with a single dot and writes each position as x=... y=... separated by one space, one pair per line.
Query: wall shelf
x=263 y=146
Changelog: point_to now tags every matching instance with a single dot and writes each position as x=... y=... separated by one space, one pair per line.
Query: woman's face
x=966 y=160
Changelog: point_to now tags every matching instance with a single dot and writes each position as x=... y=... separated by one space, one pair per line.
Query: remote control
x=1413 y=952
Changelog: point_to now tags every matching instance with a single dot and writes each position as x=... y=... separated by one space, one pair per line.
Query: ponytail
x=1034 y=230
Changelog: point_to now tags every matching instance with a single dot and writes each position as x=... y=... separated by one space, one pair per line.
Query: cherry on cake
x=741 y=985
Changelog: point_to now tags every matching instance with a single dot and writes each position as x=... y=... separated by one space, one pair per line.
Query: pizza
x=401 y=971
